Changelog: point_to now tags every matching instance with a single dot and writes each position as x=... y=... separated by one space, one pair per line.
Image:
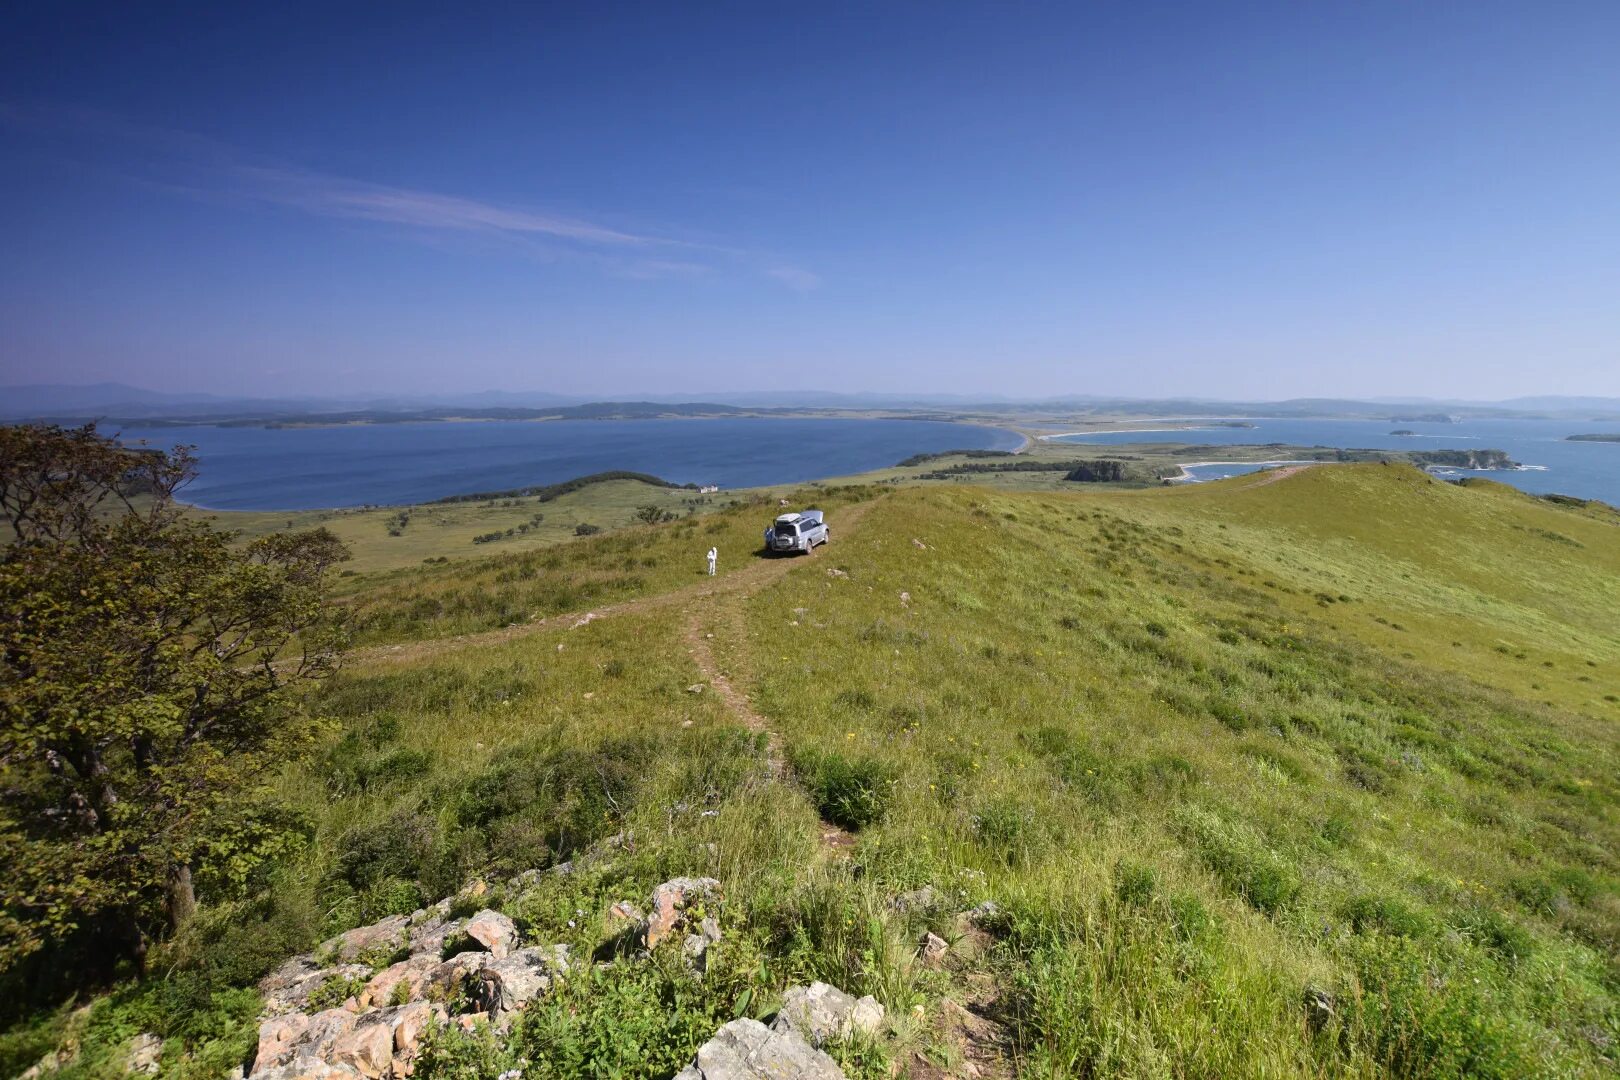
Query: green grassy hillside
x=1309 y=775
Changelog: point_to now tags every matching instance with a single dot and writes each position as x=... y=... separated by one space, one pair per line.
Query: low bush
x=851 y=792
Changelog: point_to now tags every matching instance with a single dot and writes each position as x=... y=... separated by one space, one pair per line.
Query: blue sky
x=1243 y=200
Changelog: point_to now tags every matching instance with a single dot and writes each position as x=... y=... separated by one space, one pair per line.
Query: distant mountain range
x=122 y=402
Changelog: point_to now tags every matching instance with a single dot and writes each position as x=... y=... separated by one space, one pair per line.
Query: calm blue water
x=1588 y=470
x=253 y=468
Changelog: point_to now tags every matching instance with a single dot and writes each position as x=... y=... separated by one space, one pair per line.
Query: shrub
x=1009 y=830
x=849 y=792
x=449 y=1052
x=1241 y=860
x=1134 y=884
x=585 y=528
x=1418 y=1016
x=625 y=1021
x=1079 y=767
x=1369 y=912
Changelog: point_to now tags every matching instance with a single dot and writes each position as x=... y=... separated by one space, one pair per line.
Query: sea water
x=299 y=468
x=1589 y=470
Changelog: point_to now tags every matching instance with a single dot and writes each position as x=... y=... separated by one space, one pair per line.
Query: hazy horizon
x=1255 y=203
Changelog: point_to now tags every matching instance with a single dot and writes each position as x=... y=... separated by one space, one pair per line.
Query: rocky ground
x=360 y=1005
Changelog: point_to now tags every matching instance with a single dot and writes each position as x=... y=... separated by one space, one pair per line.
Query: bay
x=1588 y=470
x=257 y=468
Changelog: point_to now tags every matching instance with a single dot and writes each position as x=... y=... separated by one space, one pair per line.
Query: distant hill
x=127 y=403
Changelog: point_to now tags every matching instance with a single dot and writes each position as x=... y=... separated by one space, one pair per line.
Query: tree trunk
x=182 y=898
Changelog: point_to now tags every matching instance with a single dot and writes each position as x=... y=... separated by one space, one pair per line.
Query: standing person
x=714 y=554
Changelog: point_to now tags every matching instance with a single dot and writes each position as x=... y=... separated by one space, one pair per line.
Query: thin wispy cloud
x=795 y=278
x=196 y=167
x=334 y=196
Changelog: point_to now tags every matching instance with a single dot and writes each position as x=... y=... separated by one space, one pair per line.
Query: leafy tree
x=145 y=665
x=650 y=514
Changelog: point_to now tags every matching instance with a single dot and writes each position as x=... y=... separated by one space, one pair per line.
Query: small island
x=1596 y=437
x=1472 y=460
x=1403 y=431
x=1424 y=418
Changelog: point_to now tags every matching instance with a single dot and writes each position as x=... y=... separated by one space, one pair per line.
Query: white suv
x=797 y=532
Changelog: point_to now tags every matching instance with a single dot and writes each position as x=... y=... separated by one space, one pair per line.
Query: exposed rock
x=308 y=1069
x=454 y=977
x=748 y=1050
x=510 y=983
x=284 y=1039
x=493 y=931
x=1319 y=1007
x=409 y=1023
x=410 y=974
x=624 y=912
x=695 y=688
x=387 y=936
x=145 y=1050
x=368 y=1048
x=820 y=1012
x=696 y=944
x=923 y=899
x=429 y=935
x=919 y=543
x=670 y=902
x=933 y=949
x=287 y=989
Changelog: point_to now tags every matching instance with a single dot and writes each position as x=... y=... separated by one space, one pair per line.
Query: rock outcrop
x=748 y=1050
x=821 y=1012
x=374 y=1033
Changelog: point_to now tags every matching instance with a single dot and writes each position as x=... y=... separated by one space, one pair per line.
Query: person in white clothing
x=714 y=554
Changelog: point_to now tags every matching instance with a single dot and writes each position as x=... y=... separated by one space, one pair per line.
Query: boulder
x=286 y=1039
x=308 y=1069
x=455 y=975
x=411 y=974
x=933 y=949
x=143 y=1057
x=493 y=931
x=669 y=905
x=820 y=1012
x=917 y=900
x=624 y=912
x=511 y=982
x=430 y=933
x=697 y=943
x=747 y=1050
x=409 y=1024
x=367 y=1048
x=288 y=989
x=386 y=936
x=279 y=1037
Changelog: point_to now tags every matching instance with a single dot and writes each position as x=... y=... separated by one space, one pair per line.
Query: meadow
x=1299 y=775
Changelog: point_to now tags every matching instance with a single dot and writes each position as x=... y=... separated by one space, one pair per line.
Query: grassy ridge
x=1205 y=801
x=1314 y=777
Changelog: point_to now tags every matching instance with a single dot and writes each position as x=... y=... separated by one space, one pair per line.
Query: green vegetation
x=923 y=459
x=1464 y=459
x=549 y=492
x=1299 y=776
x=1608 y=437
x=140 y=699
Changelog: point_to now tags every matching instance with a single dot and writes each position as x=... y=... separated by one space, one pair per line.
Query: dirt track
x=757 y=574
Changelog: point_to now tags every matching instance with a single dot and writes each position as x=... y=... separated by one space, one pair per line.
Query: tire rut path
x=759 y=573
